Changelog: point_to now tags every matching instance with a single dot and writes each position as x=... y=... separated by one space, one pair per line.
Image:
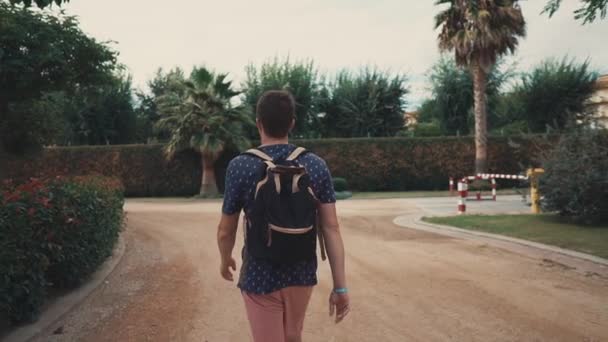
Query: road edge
x=459 y=232
x=63 y=305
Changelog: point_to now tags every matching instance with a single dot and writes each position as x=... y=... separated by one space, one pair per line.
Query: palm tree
x=199 y=115
x=479 y=32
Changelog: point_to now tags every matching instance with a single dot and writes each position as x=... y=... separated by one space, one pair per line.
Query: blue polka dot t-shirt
x=244 y=171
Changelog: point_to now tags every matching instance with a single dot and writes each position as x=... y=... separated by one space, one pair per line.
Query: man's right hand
x=225 y=269
x=339 y=303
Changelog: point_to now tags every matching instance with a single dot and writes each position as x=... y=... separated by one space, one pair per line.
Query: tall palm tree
x=199 y=114
x=479 y=32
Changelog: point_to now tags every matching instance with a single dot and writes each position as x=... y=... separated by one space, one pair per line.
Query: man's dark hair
x=276 y=111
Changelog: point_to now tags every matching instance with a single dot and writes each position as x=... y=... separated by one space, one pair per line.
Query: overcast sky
x=395 y=35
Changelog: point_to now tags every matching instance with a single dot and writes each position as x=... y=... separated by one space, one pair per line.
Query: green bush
x=575 y=182
x=427 y=129
x=53 y=233
x=340 y=184
x=341 y=195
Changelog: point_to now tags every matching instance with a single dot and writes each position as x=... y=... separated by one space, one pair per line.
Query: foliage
x=100 y=114
x=143 y=169
x=200 y=115
x=32 y=123
x=147 y=108
x=451 y=104
x=53 y=233
x=376 y=164
x=341 y=188
x=478 y=32
x=552 y=95
x=589 y=11
x=39 y=3
x=340 y=184
x=41 y=53
x=300 y=78
x=575 y=182
x=393 y=164
x=369 y=103
x=426 y=129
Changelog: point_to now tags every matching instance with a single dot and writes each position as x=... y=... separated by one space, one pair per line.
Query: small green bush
x=427 y=129
x=340 y=184
x=575 y=182
x=53 y=233
x=342 y=195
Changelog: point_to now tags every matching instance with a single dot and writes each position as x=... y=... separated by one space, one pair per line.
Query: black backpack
x=281 y=226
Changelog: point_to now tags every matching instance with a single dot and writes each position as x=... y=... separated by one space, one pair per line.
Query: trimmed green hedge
x=53 y=234
x=401 y=164
x=369 y=164
x=143 y=169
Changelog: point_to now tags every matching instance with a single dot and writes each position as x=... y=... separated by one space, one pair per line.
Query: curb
x=63 y=305
x=459 y=232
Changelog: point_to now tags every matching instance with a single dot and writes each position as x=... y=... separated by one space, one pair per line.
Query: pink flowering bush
x=54 y=233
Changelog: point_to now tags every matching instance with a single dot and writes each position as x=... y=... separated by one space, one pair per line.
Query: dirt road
x=406 y=285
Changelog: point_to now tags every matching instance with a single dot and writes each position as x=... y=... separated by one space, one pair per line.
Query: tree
x=479 y=32
x=101 y=114
x=367 y=103
x=39 y=3
x=452 y=95
x=553 y=95
x=40 y=54
x=588 y=12
x=300 y=78
x=200 y=115
x=147 y=108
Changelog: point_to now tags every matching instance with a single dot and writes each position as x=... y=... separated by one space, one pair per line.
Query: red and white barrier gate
x=463 y=187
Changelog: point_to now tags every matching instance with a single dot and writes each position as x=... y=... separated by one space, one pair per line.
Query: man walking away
x=288 y=199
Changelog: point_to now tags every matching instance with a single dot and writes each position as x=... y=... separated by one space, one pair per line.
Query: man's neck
x=273 y=141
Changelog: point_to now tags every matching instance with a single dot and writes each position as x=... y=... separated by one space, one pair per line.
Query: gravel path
x=406 y=285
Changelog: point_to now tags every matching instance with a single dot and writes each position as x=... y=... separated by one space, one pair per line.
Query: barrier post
x=533 y=174
x=451 y=186
x=462 y=191
x=494 y=189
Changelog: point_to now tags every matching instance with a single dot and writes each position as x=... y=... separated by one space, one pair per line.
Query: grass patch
x=547 y=229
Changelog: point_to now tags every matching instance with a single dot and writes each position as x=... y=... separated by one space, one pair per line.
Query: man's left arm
x=226 y=237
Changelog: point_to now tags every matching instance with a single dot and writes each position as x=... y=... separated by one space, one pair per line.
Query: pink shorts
x=278 y=316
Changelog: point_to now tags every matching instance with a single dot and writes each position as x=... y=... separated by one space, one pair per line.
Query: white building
x=599 y=101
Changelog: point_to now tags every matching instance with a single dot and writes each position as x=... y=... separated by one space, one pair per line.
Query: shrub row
x=368 y=164
x=53 y=234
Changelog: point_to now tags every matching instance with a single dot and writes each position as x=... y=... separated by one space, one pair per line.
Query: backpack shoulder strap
x=258 y=153
x=296 y=153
